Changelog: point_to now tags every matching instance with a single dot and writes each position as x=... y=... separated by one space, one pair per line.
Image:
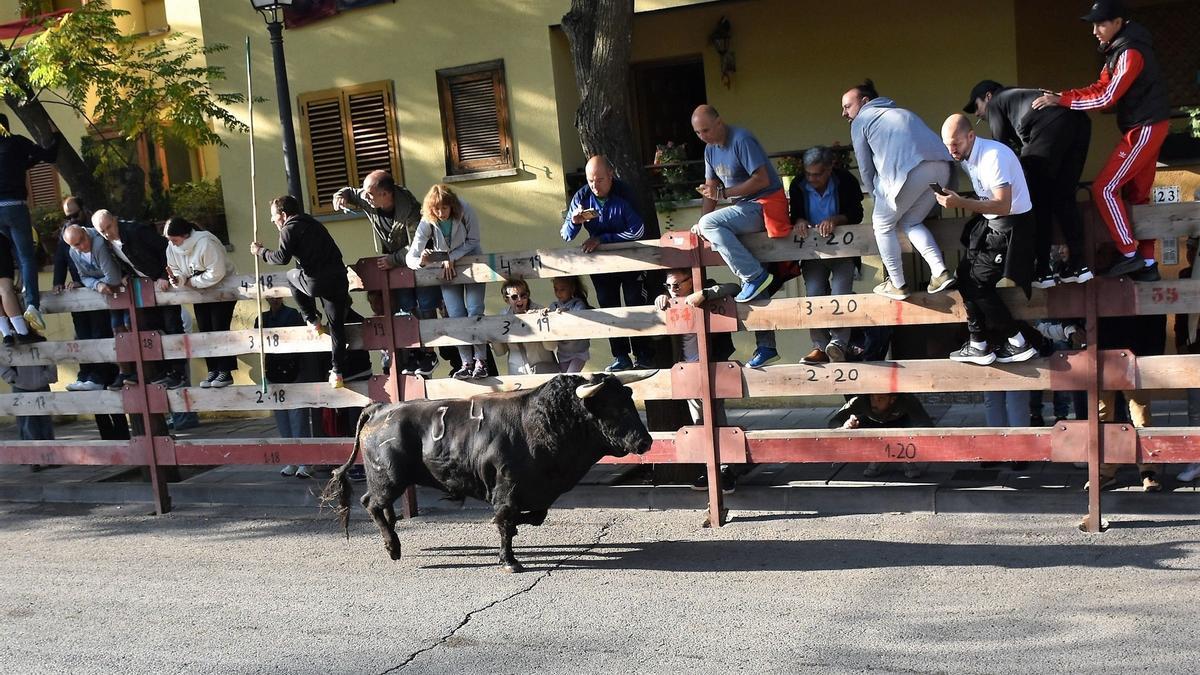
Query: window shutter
x=370 y=117
x=475 y=124
x=325 y=150
x=42 y=182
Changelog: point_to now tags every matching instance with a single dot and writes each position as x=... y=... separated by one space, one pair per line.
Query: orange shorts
x=775 y=214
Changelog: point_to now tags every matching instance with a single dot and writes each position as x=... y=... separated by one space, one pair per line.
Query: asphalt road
x=107 y=590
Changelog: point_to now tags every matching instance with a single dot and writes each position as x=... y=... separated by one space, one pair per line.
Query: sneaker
x=911 y=470
x=175 y=382
x=223 y=379
x=122 y=380
x=1129 y=265
x=425 y=366
x=9 y=341
x=1150 y=482
x=888 y=290
x=969 y=354
x=835 y=351
x=30 y=338
x=480 y=371
x=619 y=364
x=701 y=482
x=335 y=380
x=1008 y=353
x=1190 y=473
x=164 y=380
x=33 y=317
x=410 y=364
x=1077 y=275
x=357 y=474
x=872 y=470
x=84 y=385
x=816 y=357
x=941 y=282
x=207 y=382
x=1148 y=273
x=1106 y=483
x=763 y=356
x=642 y=364
x=754 y=286
x=288 y=471
x=728 y=481
x=1045 y=281
x=303 y=471
x=1078 y=338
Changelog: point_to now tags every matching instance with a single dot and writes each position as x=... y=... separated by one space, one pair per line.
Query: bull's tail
x=337 y=492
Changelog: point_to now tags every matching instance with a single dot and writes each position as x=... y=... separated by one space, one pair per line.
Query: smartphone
x=437 y=256
x=937 y=187
x=589 y=214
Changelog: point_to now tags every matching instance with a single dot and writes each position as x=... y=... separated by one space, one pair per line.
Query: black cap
x=1105 y=10
x=982 y=89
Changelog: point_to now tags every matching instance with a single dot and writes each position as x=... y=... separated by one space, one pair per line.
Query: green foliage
x=1193 y=114
x=676 y=176
x=203 y=203
x=789 y=165
x=156 y=88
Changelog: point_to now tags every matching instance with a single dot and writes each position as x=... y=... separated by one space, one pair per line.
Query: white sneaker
x=33 y=317
x=288 y=471
x=1190 y=473
x=77 y=385
x=303 y=471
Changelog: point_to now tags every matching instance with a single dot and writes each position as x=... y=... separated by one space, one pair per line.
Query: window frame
x=505 y=163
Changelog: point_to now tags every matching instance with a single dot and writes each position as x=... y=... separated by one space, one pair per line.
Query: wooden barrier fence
x=1090 y=370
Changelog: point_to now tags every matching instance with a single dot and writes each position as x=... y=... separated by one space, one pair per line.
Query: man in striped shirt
x=1130 y=81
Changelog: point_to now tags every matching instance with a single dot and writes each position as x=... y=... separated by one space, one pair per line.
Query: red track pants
x=1127 y=177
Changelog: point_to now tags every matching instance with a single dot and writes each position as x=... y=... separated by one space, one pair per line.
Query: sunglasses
x=676 y=286
x=518 y=296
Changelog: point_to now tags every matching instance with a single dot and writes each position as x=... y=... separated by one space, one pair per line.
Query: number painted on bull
x=900 y=450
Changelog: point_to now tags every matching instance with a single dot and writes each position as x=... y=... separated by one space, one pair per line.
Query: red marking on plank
x=187 y=346
x=187 y=400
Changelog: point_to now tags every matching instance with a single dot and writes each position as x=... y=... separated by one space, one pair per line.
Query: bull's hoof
x=513 y=567
x=394 y=553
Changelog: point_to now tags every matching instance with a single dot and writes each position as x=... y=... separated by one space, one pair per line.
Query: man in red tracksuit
x=1130 y=80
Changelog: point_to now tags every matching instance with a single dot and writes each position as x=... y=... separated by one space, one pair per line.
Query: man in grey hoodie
x=898 y=157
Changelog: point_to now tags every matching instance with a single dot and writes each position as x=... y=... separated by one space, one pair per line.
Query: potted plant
x=788 y=166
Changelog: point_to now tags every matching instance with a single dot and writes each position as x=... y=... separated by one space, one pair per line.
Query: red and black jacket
x=1130 y=80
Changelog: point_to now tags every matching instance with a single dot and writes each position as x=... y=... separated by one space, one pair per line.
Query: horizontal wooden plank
x=1176 y=371
x=553 y=326
x=656 y=387
x=99 y=453
x=71 y=351
x=1175 y=445
x=276 y=397
x=915 y=376
x=61 y=403
x=1161 y=221
x=963 y=444
x=264 y=451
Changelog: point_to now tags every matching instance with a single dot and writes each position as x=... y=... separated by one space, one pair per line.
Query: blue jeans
x=722 y=227
x=422 y=301
x=293 y=423
x=828 y=276
x=466 y=300
x=1006 y=408
x=15 y=224
x=34 y=427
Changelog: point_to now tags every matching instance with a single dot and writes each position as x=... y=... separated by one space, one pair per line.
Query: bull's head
x=610 y=402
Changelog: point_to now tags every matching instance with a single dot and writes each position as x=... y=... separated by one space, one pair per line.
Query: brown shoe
x=1150 y=483
x=815 y=357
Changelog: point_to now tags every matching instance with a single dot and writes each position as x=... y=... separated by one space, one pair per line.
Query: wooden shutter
x=348 y=133
x=475 y=119
x=42 y=182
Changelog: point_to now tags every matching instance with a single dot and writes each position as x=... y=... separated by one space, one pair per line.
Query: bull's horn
x=630 y=378
x=586 y=390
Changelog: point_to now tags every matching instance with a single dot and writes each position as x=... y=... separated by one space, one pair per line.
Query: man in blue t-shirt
x=604 y=209
x=736 y=168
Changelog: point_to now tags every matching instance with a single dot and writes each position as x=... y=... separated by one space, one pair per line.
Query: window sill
x=480 y=175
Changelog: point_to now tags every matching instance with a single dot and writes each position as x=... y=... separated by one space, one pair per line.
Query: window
x=475 y=124
x=42 y=184
x=348 y=133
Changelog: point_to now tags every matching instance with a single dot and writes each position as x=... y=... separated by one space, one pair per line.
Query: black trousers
x=1053 y=162
x=334 y=293
x=94 y=325
x=216 y=316
x=609 y=289
x=978 y=273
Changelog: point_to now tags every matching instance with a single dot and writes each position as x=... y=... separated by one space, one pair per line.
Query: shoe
x=303 y=471
x=701 y=482
x=189 y=421
x=207 y=382
x=480 y=371
x=357 y=474
x=1106 y=483
x=1008 y=353
x=815 y=357
x=1077 y=275
x=1190 y=473
x=1045 y=281
x=33 y=317
x=911 y=470
x=175 y=382
x=941 y=282
x=619 y=364
x=872 y=470
x=1128 y=265
x=1078 y=338
x=222 y=380
x=122 y=380
x=288 y=471
x=728 y=481
x=969 y=354
x=1150 y=482
x=425 y=366
x=9 y=341
x=642 y=364
x=1148 y=273
x=763 y=356
x=335 y=380
x=835 y=352
x=464 y=373
x=85 y=385
x=888 y=290
x=30 y=338
x=410 y=365
x=754 y=286
x=317 y=327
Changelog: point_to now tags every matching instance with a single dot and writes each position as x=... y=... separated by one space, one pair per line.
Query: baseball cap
x=982 y=89
x=1105 y=10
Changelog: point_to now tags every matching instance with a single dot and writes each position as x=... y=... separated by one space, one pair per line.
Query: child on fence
x=32 y=379
x=570 y=295
x=524 y=358
x=12 y=319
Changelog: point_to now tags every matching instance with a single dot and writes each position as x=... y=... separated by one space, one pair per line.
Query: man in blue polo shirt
x=604 y=209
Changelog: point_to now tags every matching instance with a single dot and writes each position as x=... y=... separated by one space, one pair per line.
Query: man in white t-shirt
x=999 y=241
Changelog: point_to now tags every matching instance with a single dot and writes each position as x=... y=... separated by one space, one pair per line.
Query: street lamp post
x=272 y=13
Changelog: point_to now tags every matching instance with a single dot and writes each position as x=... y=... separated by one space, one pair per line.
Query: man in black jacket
x=17 y=155
x=827 y=198
x=319 y=273
x=1052 y=144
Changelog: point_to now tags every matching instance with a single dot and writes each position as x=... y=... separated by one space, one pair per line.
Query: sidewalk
x=839 y=488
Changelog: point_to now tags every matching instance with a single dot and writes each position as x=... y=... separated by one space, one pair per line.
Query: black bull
x=516 y=450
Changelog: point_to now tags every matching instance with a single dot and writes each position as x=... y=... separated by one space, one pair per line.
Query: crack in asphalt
x=471 y=614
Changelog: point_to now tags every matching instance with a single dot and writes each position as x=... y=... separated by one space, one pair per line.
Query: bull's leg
x=379 y=508
x=390 y=513
x=508 y=530
x=531 y=518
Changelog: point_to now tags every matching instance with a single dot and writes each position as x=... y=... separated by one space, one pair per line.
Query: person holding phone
x=604 y=208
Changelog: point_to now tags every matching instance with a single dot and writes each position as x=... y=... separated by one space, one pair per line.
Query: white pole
x=262 y=355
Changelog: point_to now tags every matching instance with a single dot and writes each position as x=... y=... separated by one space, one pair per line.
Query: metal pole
x=262 y=346
x=291 y=165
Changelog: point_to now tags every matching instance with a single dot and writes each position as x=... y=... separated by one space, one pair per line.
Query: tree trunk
x=70 y=165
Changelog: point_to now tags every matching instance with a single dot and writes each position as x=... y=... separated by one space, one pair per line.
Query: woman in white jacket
x=449 y=230
x=196 y=259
